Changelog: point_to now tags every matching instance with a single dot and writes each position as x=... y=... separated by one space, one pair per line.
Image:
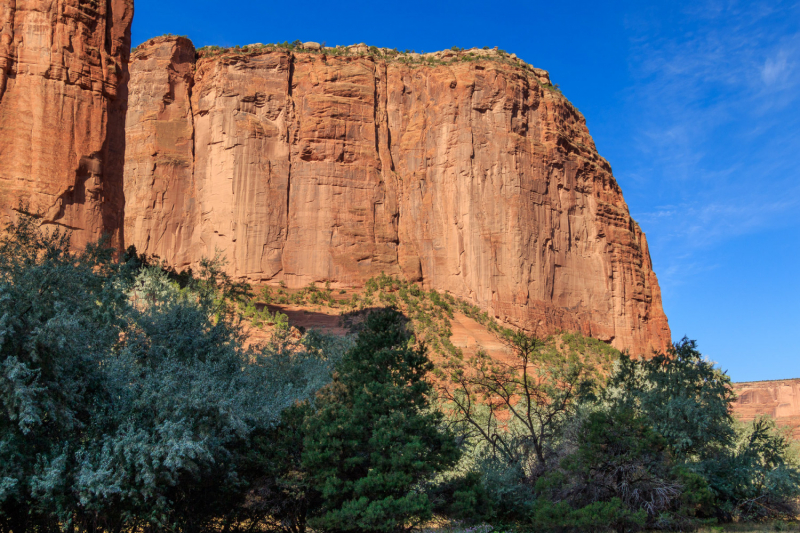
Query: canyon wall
x=63 y=83
x=779 y=399
x=470 y=175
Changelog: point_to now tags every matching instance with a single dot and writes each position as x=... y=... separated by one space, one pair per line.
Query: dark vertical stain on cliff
x=6 y=53
x=290 y=116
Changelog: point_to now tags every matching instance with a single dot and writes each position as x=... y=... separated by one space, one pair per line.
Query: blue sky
x=696 y=105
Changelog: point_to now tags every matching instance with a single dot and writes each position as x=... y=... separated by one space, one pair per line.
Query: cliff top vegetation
x=361 y=50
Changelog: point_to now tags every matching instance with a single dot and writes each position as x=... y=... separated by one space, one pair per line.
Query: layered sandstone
x=63 y=75
x=472 y=176
x=779 y=399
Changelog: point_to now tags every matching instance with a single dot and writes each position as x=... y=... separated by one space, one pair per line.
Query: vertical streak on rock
x=290 y=135
x=116 y=68
x=387 y=219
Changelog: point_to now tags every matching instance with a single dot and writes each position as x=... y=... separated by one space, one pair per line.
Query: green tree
x=519 y=406
x=686 y=398
x=373 y=438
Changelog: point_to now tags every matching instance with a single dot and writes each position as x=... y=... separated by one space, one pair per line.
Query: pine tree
x=373 y=438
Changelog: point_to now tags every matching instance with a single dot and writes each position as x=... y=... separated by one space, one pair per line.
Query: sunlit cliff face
x=471 y=175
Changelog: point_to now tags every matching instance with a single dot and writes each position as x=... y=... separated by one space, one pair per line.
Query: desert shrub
x=461 y=497
x=616 y=474
x=260 y=317
x=757 y=477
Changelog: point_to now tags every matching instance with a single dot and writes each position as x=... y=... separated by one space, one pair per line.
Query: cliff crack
x=290 y=117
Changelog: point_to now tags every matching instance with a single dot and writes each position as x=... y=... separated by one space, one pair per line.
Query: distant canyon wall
x=779 y=399
x=473 y=177
x=63 y=83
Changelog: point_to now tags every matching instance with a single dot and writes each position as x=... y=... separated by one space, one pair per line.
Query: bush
x=619 y=472
x=130 y=401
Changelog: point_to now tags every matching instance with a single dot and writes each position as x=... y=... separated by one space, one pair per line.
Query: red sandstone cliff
x=779 y=399
x=63 y=75
x=472 y=176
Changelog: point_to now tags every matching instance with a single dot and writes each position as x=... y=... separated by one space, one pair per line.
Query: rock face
x=160 y=209
x=474 y=177
x=63 y=75
x=779 y=399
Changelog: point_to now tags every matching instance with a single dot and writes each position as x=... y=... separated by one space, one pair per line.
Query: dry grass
x=753 y=527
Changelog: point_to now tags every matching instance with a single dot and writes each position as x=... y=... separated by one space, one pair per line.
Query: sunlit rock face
x=472 y=177
x=63 y=84
x=779 y=399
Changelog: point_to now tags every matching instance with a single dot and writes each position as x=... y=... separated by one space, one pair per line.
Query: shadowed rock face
x=779 y=399
x=63 y=70
x=472 y=177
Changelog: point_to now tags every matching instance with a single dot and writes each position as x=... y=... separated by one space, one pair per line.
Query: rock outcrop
x=779 y=399
x=469 y=174
x=63 y=76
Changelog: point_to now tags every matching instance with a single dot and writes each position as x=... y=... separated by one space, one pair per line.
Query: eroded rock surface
x=779 y=399
x=63 y=74
x=474 y=177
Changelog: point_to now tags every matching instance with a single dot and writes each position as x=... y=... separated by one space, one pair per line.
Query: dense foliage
x=132 y=400
x=129 y=401
x=563 y=442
